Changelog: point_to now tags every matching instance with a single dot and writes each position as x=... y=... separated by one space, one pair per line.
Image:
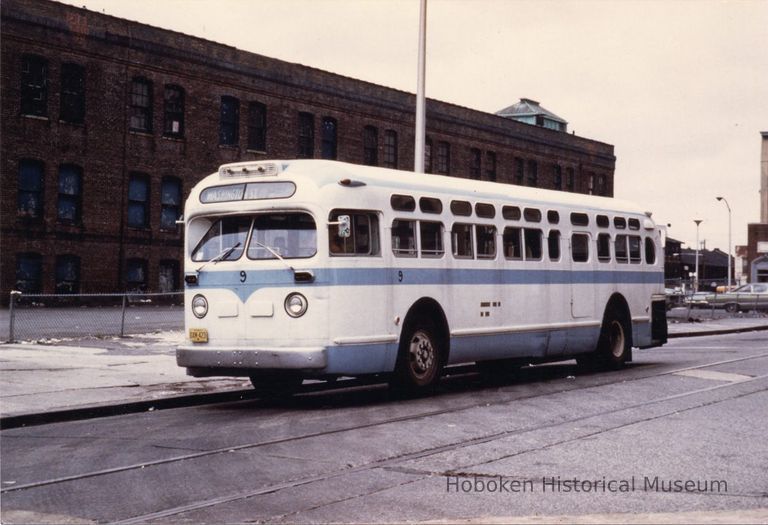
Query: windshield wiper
x=220 y=257
x=300 y=276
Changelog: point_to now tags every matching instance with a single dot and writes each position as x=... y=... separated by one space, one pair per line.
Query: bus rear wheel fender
x=614 y=345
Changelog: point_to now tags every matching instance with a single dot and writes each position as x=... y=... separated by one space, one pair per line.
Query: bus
x=322 y=269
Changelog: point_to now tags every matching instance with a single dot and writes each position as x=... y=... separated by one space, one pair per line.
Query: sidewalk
x=60 y=379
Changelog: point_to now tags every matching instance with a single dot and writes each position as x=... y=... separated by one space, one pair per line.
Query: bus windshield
x=290 y=235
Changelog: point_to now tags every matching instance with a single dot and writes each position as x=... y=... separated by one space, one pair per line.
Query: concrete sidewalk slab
x=40 y=378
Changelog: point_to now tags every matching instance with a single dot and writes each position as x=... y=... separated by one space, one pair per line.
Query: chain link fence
x=53 y=316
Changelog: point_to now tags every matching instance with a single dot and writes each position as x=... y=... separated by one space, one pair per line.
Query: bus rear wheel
x=614 y=346
x=420 y=358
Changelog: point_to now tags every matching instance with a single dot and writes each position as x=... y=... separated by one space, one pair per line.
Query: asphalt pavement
x=77 y=378
x=71 y=378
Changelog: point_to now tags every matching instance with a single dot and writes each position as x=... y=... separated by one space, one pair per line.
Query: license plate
x=198 y=335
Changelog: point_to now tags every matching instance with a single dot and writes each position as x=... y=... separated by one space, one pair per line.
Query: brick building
x=107 y=124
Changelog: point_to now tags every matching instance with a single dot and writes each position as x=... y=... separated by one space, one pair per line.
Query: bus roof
x=328 y=172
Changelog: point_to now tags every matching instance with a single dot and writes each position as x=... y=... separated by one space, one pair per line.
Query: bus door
x=582 y=287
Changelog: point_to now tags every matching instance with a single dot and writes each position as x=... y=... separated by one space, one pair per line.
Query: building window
x=138 y=201
x=257 y=126
x=370 y=146
x=602 y=188
x=168 y=276
x=174 y=111
x=229 y=123
x=390 y=149
x=67 y=274
x=428 y=155
x=30 y=189
x=306 y=136
x=34 y=86
x=329 y=138
x=570 y=183
x=170 y=203
x=72 y=93
x=557 y=177
x=141 y=104
x=29 y=272
x=136 y=275
x=519 y=171
x=474 y=163
x=70 y=193
x=533 y=173
x=443 y=158
x=490 y=166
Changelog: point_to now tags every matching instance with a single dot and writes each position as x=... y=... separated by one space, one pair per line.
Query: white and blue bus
x=321 y=269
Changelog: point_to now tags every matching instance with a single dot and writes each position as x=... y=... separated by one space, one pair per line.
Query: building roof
x=528 y=108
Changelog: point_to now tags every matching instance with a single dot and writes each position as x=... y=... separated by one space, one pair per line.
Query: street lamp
x=729 y=238
x=696 y=278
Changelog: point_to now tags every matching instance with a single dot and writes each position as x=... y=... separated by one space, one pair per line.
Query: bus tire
x=276 y=383
x=420 y=357
x=614 y=347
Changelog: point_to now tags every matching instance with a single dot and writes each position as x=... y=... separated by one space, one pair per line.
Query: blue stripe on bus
x=256 y=279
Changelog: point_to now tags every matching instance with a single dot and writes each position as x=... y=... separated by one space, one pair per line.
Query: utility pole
x=420 y=132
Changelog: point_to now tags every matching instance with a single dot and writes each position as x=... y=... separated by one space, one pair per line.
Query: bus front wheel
x=420 y=358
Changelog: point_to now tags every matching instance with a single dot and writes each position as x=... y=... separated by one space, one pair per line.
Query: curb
x=721 y=331
x=90 y=412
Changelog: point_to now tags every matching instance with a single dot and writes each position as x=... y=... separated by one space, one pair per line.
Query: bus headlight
x=199 y=306
x=295 y=304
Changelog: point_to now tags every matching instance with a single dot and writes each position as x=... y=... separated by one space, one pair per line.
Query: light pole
x=696 y=274
x=421 y=101
x=729 y=239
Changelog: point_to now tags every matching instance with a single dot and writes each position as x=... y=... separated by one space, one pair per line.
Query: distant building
x=757 y=233
x=531 y=112
x=680 y=265
x=107 y=124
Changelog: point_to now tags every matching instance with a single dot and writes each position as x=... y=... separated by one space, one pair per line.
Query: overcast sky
x=680 y=88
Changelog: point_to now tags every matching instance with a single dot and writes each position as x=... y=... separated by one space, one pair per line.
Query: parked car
x=699 y=299
x=747 y=297
x=675 y=297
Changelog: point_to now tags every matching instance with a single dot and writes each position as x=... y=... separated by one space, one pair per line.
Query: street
x=681 y=429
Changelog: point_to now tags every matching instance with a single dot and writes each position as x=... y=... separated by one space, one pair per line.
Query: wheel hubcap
x=617 y=339
x=422 y=353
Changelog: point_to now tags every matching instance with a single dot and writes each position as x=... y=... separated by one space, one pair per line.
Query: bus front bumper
x=236 y=361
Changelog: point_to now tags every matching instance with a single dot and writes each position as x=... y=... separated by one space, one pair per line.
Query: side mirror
x=345 y=229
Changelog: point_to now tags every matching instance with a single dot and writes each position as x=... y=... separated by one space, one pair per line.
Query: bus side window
x=486 y=241
x=553 y=244
x=580 y=247
x=650 y=251
x=604 y=247
x=532 y=244
x=461 y=237
x=404 y=238
x=364 y=238
x=431 y=239
x=634 y=249
x=621 y=249
x=513 y=246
